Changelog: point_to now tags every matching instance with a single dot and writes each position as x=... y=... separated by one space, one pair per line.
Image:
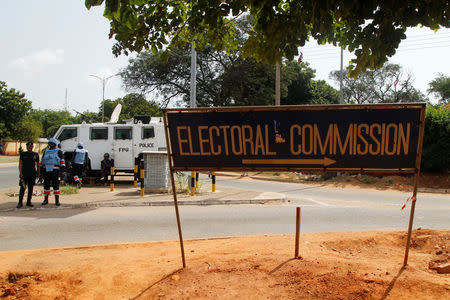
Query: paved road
x=328 y=197
x=9 y=175
x=353 y=210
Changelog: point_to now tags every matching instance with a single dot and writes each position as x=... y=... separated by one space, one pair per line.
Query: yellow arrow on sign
x=306 y=161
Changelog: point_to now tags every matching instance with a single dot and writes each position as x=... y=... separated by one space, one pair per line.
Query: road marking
x=319 y=202
x=322 y=161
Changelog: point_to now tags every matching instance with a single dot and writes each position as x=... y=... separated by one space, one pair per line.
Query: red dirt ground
x=351 y=265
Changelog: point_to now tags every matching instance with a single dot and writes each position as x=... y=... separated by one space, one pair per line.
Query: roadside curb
x=187 y=202
x=428 y=190
x=154 y=203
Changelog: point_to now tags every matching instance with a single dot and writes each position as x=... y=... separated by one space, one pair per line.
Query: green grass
x=367 y=179
x=69 y=190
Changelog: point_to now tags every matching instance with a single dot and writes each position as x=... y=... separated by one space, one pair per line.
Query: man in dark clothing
x=106 y=165
x=53 y=162
x=28 y=170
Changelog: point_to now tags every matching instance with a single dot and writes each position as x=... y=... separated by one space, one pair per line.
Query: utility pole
x=103 y=80
x=277 y=82
x=193 y=94
x=66 y=104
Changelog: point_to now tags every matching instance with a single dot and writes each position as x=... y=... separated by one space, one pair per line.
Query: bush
x=328 y=175
x=436 y=142
x=367 y=179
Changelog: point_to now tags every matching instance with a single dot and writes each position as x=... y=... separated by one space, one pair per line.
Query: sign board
x=363 y=138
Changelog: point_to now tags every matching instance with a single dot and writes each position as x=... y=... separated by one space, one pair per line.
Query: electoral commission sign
x=330 y=138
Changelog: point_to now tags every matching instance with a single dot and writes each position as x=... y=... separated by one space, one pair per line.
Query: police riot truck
x=123 y=142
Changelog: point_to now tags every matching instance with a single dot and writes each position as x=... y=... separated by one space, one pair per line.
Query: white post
x=277 y=83
x=192 y=102
x=341 y=96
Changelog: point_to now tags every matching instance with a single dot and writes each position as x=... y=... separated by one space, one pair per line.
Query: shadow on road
x=49 y=212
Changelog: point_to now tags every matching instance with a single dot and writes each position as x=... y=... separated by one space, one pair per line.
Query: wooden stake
x=297 y=231
x=416 y=182
x=174 y=191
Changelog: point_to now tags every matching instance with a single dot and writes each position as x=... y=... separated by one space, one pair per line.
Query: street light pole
x=104 y=80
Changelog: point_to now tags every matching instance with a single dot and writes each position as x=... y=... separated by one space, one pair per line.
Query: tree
x=132 y=105
x=136 y=104
x=29 y=130
x=13 y=108
x=323 y=93
x=388 y=84
x=109 y=107
x=440 y=87
x=372 y=30
x=436 y=139
x=51 y=120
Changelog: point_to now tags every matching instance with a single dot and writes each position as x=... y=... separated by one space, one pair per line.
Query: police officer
x=53 y=162
x=79 y=161
x=28 y=169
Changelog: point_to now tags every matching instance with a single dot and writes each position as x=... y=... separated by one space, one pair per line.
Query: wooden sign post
x=377 y=138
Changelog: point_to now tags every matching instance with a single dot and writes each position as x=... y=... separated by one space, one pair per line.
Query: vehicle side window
x=122 y=133
x=99 y=133
x=67 y=133
x=148 y=132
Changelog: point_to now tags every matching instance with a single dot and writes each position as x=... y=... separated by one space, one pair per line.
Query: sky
x=53 y=46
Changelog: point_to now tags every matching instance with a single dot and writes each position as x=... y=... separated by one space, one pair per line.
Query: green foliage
x=224 y=80
x=29 y=130
x=367 y=179
x=302 y=89
x=388 y=84
x=323 y=93
x=328 y=175
x=372 y=30
x=13 y=108
x=132 y=105
x=436 y=141
x=51 y=120
x=440 y=87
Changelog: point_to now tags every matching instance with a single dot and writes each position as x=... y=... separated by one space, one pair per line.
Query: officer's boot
x=45 y=200
x=19 y=205
x=57 y=200
x=29 y=203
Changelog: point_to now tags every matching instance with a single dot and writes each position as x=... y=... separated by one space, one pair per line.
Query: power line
x=412 y=39
x=433 y=47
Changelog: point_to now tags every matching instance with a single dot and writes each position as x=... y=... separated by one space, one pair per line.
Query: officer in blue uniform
x=79 y=162
x=53 y=162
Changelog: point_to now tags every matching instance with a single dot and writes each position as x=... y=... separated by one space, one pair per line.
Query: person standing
x=79 y=161
x=28 y=171
x=53 y=162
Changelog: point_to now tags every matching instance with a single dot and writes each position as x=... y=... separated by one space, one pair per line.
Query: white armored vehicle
x=123 y=142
